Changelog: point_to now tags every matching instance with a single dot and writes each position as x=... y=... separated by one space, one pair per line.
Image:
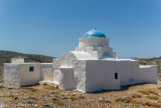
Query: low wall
x=129 y=72
x=47 y=71
x=11 y=75
x=148 y=74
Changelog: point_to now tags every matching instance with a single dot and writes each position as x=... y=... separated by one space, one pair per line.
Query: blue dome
x=94 y=33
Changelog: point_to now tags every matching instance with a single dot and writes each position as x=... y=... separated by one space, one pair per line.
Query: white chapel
x=91 y=67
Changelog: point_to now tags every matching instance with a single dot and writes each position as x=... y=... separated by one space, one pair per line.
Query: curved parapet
x=69 y=71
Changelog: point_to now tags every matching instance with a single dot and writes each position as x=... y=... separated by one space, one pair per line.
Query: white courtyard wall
x=56 y=71
x=30 y=78
x=100 y=74
x=11 y=75
x=129 y=72
x=148 y=74
x=47 y=71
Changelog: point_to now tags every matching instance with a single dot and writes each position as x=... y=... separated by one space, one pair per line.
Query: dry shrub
x=54 y=93
x=148 y=103
x=58 y=102
x=153 y=97
x=33 y=98
x=30 y=89
x=73 y=98
x=159 y=101
x=125 y=100
x=49 y=87
x=136 y=96
x=57 y=96
x=138 y=102
x=1 y=86
x=8 y=96
x=159 y=88
x=148 y=92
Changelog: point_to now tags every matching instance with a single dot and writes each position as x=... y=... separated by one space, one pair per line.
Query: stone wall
x=11 y=75
x=47 y=71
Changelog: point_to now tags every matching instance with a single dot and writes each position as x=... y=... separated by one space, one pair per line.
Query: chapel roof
x=94 y=33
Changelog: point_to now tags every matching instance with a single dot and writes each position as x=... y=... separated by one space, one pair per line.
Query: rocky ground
x=43 y=96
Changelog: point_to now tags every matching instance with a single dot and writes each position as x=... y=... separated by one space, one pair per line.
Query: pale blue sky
x=51 y=27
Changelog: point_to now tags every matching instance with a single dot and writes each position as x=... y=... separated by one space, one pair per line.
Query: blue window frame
x=31 y=69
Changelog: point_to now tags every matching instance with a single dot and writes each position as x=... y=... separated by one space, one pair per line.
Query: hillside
x=5 y=57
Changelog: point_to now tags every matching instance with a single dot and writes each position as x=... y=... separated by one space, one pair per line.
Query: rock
x=104 y=100
x=64 y=97
x=16 y=98
x=1 y=85
x=127 y=101
x=82 y=96
x=47 y=106
x=159 y=88
x=64 y=94
x=54 y=93
x=91 y=100
x=54 y=99
x=101 y=100
x=30 y=101
x=107 y=101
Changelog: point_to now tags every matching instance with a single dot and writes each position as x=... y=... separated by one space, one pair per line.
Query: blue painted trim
x=94 y=33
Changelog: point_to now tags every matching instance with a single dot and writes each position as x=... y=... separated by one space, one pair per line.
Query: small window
x=116 y=75
x=31 y=68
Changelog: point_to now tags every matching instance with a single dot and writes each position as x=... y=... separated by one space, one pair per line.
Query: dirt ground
x=43 y=96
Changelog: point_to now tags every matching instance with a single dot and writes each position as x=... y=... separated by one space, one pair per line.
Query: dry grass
x=73 y=98
x=57 y=96
x=58 y=102
x=159 y=101
x=148 y=92
x=30 y=89
x=33 y=98
x=148 y=103
x=138 y=102
x=153 y=97
x=8 y=96
x=159 y=88
x=54 y=93
x=125 y=100
x=136 y=96
x=1 y=86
